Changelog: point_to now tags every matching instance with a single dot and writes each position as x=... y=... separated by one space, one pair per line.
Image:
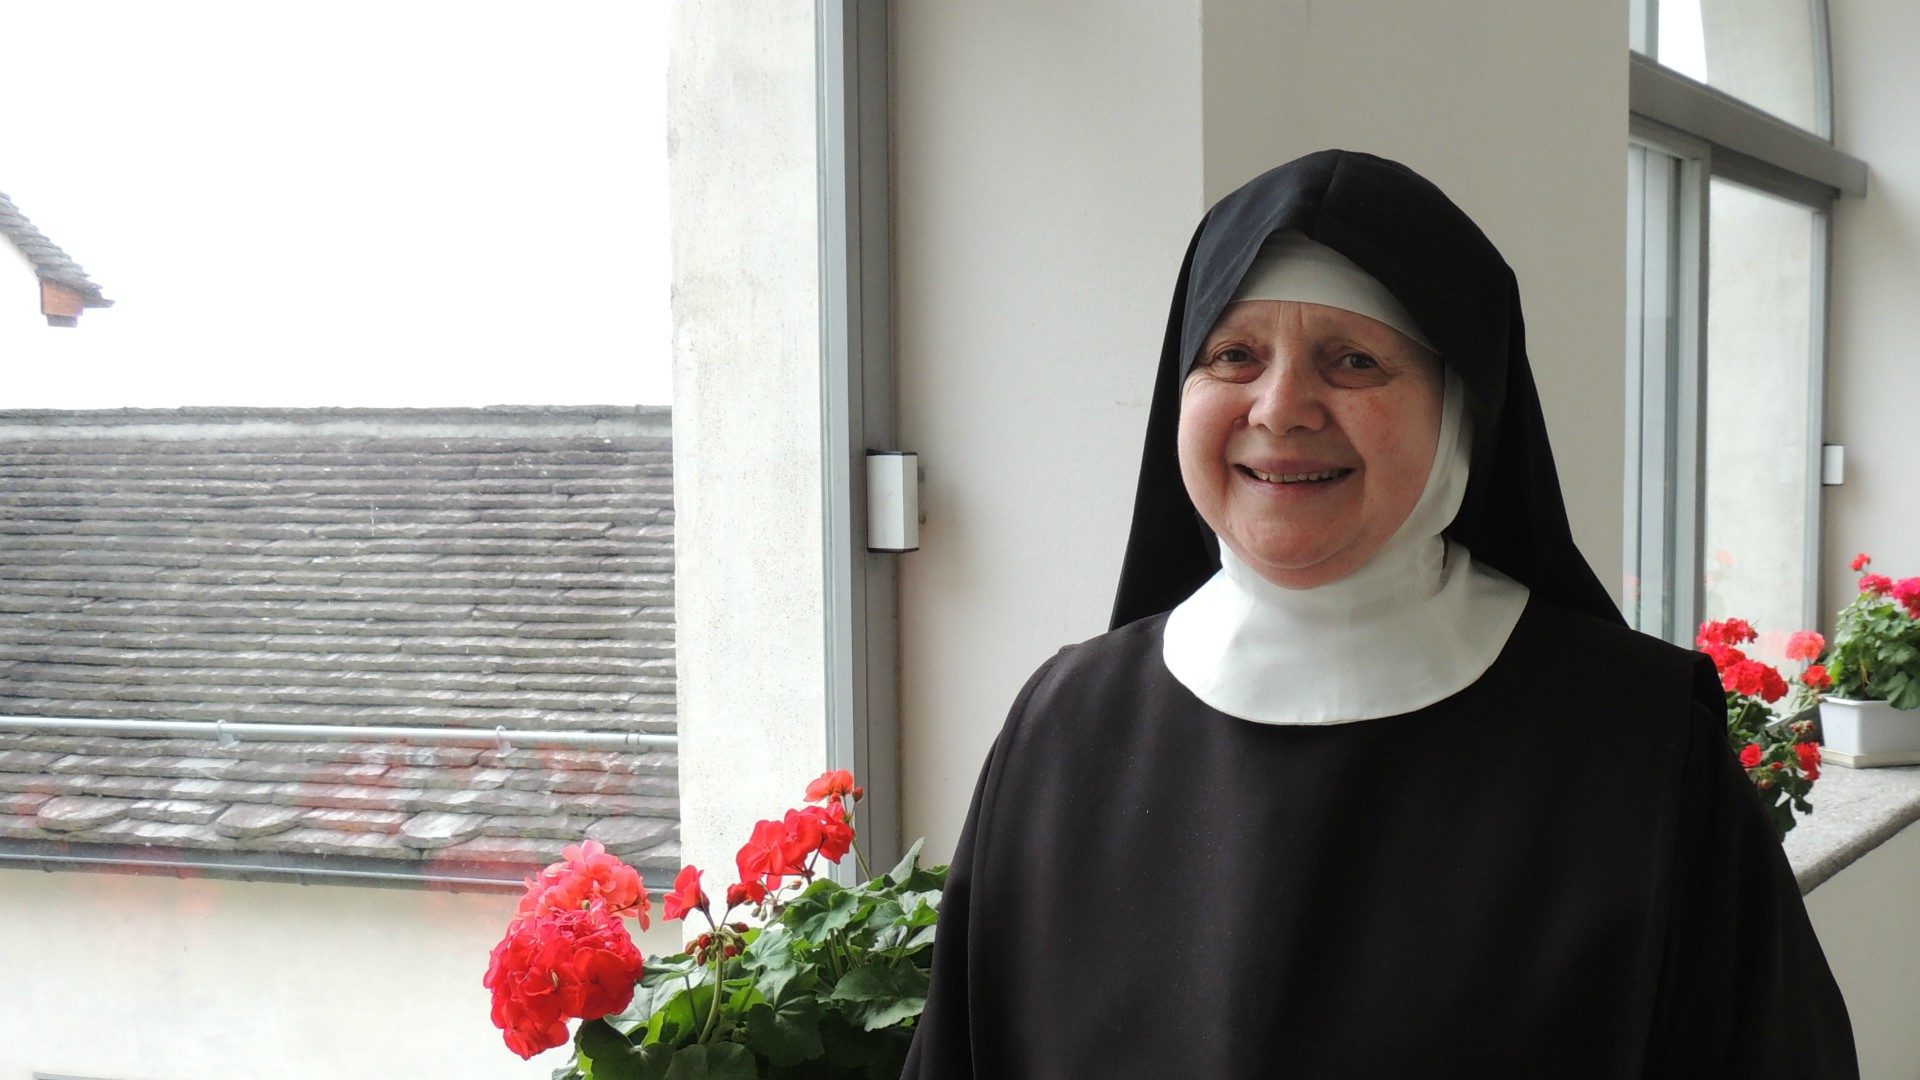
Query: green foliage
x=1875 y=654
x=828 y=989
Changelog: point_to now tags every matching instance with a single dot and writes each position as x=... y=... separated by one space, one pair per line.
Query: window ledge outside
x=1854 y=811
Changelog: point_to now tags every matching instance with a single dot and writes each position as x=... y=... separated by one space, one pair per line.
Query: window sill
x=1854 y=811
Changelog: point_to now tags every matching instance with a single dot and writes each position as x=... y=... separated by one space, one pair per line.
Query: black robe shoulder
x=1559 y=871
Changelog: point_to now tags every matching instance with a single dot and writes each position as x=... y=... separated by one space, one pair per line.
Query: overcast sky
x=396 y=203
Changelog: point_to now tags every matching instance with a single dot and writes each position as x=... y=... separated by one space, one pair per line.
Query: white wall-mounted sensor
x=893 y=500
x=1833 y=465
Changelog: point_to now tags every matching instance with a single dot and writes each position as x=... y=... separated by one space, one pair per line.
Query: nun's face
x=1306 y=436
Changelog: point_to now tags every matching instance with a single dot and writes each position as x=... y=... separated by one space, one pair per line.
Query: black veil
x=1403 y=230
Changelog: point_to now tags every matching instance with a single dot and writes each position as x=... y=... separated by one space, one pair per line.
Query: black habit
x=1559 y=871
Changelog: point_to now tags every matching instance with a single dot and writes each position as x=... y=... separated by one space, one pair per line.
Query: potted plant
x=1869 y=719
x=828 y=985
x=1779 y=752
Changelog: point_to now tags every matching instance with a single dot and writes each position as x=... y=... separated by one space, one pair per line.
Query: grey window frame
x=858 y=413
x=1713 y=135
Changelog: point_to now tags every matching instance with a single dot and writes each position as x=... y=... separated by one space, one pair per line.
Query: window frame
x=1713 y=135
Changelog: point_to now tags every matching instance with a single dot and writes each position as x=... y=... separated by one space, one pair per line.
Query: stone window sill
x=1854 y=811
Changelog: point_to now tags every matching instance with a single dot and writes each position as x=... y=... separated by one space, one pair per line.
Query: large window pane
x=1760 y=51
x=1760 y=479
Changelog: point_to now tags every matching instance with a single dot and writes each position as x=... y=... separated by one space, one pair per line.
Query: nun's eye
x=1354 y=361
x=1232 y=355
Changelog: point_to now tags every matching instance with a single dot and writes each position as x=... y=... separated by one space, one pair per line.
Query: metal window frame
x=1643 y=42
x=1666 y=388
x=858 y=414
x=1716 y=136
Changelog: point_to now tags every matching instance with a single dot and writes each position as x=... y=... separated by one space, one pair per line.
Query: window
x=1727 y=255
x=390 y=425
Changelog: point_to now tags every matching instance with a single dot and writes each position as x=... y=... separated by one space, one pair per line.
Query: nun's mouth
x=1309 y=479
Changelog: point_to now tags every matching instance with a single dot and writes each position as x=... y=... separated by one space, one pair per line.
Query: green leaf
x=815 y=914
x=773 y=956
x=877 y=994
x=681 y=1019
x=898 y=875
x=606 y=1054
x=713 y=1061
x=787 y=1035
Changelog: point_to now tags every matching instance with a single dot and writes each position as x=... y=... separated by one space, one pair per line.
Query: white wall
x=22 y=327
x=1873 y=362
x=1051 y=162
x=1865 y=918
x=1517 y=111
x=1865 y=914
x=1047 y=176
x=750 y=644
x=156 y=978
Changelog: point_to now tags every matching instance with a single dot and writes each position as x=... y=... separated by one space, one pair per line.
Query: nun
x=1368 y=778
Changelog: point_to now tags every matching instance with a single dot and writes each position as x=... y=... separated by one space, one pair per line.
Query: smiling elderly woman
x=1368 y=778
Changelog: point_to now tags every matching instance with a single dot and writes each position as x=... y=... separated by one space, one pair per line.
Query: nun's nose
x=1289 y=394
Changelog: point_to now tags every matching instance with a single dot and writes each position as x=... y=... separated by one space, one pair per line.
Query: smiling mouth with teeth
x=1294 y=478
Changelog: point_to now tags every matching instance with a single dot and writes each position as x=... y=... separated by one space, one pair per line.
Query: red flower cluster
x=562 y=964
x=1805 y=645
x=567 y=955
x=1906 y=593
x=1728 y=632
x=1817 y=678
x=1809 y=758
x=586 y=874
x=1737 y=673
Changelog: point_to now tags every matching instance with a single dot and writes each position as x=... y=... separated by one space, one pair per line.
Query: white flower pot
x=1864 y=734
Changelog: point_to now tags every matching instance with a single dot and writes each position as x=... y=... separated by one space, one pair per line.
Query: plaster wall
x=1873 y=359
x=1047 y=176
x=1517 y=111
x=199 y=979
x=748 y=543
x=24 y=333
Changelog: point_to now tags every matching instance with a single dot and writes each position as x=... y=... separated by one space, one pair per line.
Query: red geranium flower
x=1805 y=645
x=1906 y=592
x=746 y=892
x=1860 y=562
x=779 y=848
x=1878 y=584
x=686 y=895
x=1816 y=677
x=1755 y=679
x=1724 y=657
x=836 y=836
x=586 y=874
x=1750 y=755
x=831 y=783
x=564 y=964
x=1809 y=758
x=1727 y=632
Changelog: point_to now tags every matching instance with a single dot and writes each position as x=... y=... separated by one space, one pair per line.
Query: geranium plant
x=1876 y=642
x=1780 y=755
x=829 y=983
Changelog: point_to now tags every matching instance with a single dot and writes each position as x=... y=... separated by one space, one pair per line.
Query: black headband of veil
x=1398 y=227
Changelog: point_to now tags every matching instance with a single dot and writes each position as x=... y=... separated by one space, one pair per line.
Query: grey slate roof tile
x=49 y=262
x=517 y=578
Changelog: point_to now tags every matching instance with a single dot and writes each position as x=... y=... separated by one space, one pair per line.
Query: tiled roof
x=420 y=568
x=49 y=262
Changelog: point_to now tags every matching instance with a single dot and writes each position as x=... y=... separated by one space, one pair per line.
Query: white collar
x=1419 y=622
